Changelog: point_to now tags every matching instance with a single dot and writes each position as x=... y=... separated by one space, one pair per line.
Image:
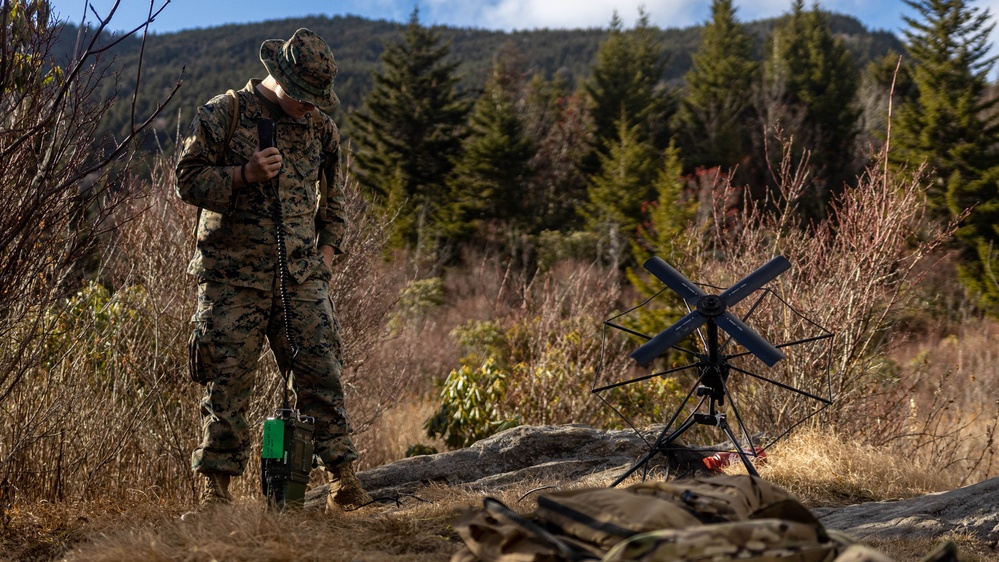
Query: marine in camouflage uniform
x=245 y=195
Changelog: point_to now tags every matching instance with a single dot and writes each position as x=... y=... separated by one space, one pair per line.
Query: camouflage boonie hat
x=304 y=67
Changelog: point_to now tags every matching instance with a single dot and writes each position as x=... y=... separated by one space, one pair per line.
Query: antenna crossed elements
x=713 y=313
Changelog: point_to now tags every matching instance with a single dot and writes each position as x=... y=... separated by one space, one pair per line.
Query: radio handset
x=265 y=136
x=265 y=132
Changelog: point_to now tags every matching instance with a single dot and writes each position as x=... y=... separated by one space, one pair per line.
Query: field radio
x=286 y=458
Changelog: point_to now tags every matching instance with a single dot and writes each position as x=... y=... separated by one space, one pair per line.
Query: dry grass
x=245 y=531
x=823 y=468
x=146 y=529
x=398 y=429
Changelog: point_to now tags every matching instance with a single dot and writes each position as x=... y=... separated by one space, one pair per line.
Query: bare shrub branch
x=64 y=195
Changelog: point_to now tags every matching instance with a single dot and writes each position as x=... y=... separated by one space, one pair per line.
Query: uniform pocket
x=198 y=350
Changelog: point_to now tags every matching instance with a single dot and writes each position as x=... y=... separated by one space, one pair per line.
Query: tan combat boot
x=215 y=493
x=216 y=490
x=346 y=492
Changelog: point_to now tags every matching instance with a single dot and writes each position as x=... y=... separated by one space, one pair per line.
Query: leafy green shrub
x=540 y=362
x=99 y=328
x=648 y=402
x=553 y=374
x=472 y=405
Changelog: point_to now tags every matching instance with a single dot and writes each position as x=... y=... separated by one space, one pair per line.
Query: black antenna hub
x=711 y=306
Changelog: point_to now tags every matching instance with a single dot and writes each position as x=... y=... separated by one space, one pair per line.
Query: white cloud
x=566 y=14
x=563 y=14
x=750 y=10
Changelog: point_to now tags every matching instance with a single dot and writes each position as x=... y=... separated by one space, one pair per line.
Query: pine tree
x=948 y=126
x=627 y=84
x=669 y=216
x=943 y=126
x=979 y=272
x=812 y=82
x=716 y=113
x=662 y=234
x=951 y=126
x=410 y=131
x=490 y=178
x=616 y=195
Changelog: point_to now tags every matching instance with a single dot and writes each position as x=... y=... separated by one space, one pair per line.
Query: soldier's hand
x=264 y=165
x=328 y=255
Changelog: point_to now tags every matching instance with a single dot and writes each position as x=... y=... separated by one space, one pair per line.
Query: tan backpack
x=717 y=519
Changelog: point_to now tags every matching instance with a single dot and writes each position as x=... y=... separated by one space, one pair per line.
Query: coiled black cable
x=283 y=273
x=267 y=138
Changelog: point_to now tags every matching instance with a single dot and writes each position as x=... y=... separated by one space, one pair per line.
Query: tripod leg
x=742 y=454
x=655 y=449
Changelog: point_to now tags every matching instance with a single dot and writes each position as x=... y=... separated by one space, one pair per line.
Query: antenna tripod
x=711 y=311
x=714 y=313
x=710 y=386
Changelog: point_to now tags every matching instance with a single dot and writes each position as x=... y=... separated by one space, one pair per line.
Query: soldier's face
x=290 y=105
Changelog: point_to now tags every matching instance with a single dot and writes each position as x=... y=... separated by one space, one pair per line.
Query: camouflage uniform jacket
x=237 y=242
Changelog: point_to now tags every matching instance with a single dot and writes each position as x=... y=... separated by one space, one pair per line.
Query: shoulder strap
x=233 y=123
x=233 y=115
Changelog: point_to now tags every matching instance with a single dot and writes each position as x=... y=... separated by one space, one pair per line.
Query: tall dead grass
x=825 y=468
x=149 y=530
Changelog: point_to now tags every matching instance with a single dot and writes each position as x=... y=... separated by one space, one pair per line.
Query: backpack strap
x=233 y=123
x=502 y=513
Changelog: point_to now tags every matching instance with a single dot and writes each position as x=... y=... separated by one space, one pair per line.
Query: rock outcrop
x=565 y=451
x=969 y=510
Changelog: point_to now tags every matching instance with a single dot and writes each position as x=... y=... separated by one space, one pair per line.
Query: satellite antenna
x=713 y=313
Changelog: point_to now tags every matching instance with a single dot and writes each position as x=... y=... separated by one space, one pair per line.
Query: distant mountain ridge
x=212 y=60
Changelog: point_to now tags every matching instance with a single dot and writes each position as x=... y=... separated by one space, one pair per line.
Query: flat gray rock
x=563 y=452
x=972 y=509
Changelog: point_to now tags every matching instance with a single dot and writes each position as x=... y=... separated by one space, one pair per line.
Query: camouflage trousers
x=229 y=330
